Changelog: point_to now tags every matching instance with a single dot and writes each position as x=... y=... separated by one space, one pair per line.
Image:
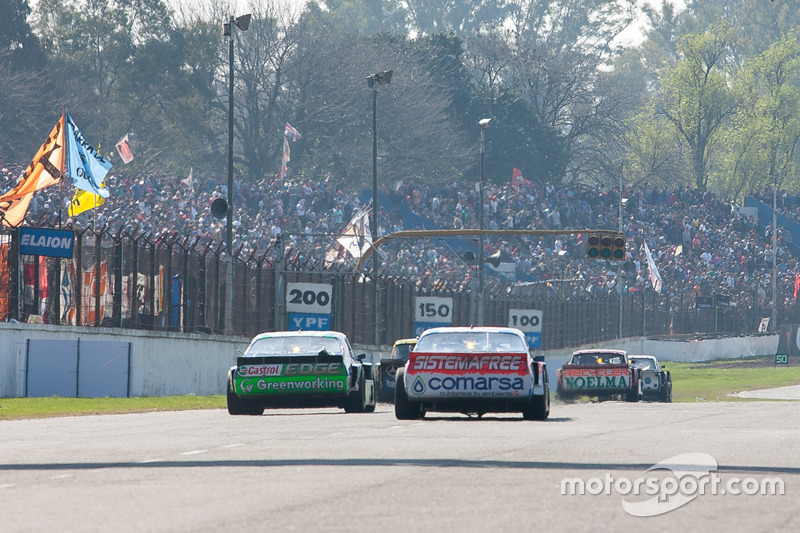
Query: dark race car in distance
x=656 y=380
x=387 y=368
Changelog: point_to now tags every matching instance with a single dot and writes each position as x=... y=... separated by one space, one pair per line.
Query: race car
x=300 y=369
x=387 y=368
x=472 y=370
x=656 y=382
x=602 y=373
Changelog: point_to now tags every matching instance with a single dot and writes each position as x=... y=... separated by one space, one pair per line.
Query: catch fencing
x=172 y=283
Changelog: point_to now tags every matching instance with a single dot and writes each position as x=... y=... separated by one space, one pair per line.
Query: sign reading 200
x=308 y=298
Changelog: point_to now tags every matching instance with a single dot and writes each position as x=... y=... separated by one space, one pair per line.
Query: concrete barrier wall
x=165 y=364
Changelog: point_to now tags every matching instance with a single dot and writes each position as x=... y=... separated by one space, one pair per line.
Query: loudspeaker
x=219 y=208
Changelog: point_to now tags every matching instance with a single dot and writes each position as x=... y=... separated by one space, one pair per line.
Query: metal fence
x=167 y=283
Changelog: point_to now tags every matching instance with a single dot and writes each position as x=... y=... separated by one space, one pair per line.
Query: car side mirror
x=538 y=358
x=361 y=357
x=663 y=366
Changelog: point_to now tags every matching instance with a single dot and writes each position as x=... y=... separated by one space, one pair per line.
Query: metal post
x=621 y=230
x=775 y=255
x=229 y=228
x=483 y=123
x=376 y=256
x=776 y=173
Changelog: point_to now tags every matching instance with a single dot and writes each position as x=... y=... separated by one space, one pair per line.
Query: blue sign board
x=48 y=242
x=309 y=322
x=419 y=327
x=534 y=339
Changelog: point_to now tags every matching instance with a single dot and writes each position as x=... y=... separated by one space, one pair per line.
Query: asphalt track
x=323 y=470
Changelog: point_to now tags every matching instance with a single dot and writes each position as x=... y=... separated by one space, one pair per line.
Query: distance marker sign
x=431 y=312
x=529 y=322
x=309 y=306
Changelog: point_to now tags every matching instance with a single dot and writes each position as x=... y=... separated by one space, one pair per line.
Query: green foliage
x=762 y=139
x=695 y=97
x=18 y=44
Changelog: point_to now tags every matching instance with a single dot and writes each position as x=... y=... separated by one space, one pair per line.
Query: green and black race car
x=300 y=369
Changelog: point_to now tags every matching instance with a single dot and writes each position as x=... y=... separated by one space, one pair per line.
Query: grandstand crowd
x=701 y=244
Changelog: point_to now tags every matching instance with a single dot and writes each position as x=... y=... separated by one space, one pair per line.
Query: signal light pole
x=242 y=22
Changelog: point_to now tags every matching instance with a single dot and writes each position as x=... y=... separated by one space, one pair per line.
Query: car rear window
x=471 y=341
x=294 y=346
x=401 y=351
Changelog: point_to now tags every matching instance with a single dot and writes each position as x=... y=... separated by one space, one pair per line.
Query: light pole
x=621 y=230
x=380 y=78
x=242 y=22
x=483 y=123
x=775 y=254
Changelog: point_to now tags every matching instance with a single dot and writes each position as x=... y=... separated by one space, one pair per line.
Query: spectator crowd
x=701 y=244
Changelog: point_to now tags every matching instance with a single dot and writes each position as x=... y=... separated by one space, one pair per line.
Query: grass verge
x=17 y=408
x=713 y=381
x=717 y=380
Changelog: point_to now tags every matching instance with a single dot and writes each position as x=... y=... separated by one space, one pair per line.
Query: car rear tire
x=238 y=406
x=666 y=395
x=403 y=408
x=539 y=406
x=635 y=393
x=356 y=401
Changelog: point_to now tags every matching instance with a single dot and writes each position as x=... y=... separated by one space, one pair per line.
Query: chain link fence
x=173 y=283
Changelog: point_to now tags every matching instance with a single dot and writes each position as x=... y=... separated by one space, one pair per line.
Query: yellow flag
x=85 y=200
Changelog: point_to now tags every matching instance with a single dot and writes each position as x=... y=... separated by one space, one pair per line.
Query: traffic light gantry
x=609 y=246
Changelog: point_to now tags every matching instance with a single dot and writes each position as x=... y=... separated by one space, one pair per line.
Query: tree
x=464 y=17
x=418 y=140
x=763 y=140
x=364 y=17
x=552 y=59
x=19 y=44
x=695 y=97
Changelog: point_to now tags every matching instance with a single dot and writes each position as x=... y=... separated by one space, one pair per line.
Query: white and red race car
x=472 y=370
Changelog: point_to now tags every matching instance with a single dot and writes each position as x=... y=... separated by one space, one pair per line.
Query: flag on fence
x=292 y=133
x=285 y=158
x=124 y=150
x=85 y=200
x=45 y=170
x=655 y=277
x=85 y=165
x=355 y=240
x=517 y=179
x=189 y=181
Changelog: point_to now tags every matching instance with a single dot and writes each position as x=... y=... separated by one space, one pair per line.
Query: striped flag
x=285 y=159
x=292 y=133
x=124 y=150
x=655 y=276
x=45 y=170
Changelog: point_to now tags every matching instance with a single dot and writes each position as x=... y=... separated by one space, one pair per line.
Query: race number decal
x=529 y=322
x=310 y=298
x=433 y=309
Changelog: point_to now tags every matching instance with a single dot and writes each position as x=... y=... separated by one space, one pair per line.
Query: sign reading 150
x=433 y=309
